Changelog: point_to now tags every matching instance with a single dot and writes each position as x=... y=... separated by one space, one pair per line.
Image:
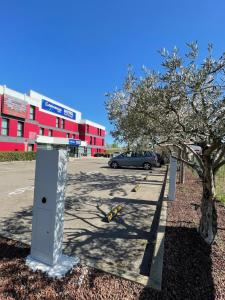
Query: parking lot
x=92 y=190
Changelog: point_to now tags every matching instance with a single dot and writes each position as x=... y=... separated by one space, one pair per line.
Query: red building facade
x=31 y=121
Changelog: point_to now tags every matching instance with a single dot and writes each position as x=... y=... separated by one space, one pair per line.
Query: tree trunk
x=208 y=222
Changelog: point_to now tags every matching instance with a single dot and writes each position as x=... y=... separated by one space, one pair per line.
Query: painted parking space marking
x=92 y=173
x=21 y=190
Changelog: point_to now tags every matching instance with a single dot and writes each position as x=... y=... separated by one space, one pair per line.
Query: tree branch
x=192 y=165
x=199 y=159
x=219 y=158
x=211 y=148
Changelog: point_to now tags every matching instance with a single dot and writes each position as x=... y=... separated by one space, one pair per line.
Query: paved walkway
x=119 y=247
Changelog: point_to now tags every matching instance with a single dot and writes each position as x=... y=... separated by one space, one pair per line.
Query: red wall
x=6 y=146
x=71 y=126
x=98 y=140
x=30 y=128
x=59 y=134
x=45 y=119
x=92 y=130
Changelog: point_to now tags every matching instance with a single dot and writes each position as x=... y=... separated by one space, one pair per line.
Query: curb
x=156 y=270
x=155 y=277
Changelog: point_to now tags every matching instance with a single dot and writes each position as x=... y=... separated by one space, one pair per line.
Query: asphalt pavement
x=92 y=190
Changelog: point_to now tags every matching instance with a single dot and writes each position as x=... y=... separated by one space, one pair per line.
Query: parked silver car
x=146 y=160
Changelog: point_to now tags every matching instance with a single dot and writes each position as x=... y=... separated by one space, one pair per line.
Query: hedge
x=15 y=156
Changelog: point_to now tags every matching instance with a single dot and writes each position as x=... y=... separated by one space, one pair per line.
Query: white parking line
x=92 y=173
x=21 y=190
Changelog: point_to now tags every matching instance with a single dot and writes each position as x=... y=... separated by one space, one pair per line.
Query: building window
x=32 y=112
x=63 y=123
x=67 y=135
x=30 y=147
x=94 y=140
x=88 y=128
x=20 y=129
x=57 y=122
x=5 y=126
x=50 y=132
x=90 y=140
x=41 y=132
x=74 y=136
x=102 y=142
x=99 y=131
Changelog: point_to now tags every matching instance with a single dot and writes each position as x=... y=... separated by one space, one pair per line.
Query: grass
x=220 y=184
x=17 y=156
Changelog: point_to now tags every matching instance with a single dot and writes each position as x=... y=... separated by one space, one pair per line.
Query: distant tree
x=113 y=145
x=182 y=105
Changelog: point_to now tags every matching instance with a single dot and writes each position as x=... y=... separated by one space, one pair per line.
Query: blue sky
x=75 y=51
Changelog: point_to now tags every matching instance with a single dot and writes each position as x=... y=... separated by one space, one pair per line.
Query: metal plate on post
x=172 y=178
x=41 y=235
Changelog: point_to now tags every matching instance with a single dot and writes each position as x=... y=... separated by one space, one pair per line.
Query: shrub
x=17 y=156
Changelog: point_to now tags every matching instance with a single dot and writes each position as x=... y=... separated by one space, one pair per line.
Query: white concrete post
x=172 y=178
x=48 y=214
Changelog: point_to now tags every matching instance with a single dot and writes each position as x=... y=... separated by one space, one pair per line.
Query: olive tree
x=182 y=105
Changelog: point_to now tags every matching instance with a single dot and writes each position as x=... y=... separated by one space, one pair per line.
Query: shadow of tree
x=18 y=226
x=120 y=244
x=89 y=182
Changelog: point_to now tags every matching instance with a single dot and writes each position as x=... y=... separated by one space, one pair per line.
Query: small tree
x=182 y=105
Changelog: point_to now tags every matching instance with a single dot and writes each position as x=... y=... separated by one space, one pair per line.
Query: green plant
x=17 y=156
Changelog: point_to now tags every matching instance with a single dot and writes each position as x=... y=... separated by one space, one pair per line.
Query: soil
x=192 y=269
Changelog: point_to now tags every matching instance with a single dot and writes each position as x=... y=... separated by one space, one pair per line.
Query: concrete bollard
x=172 y=178
x=48 y=214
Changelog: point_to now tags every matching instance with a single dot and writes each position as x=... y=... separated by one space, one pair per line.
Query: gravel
x=192 y=269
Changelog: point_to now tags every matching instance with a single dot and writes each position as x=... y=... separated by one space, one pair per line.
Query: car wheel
x=147 y=166
x=114 y=165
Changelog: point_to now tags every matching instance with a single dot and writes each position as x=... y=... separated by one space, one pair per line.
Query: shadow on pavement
x=121 y=243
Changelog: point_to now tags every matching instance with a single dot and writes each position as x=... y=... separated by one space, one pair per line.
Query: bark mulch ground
x=192 y=270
